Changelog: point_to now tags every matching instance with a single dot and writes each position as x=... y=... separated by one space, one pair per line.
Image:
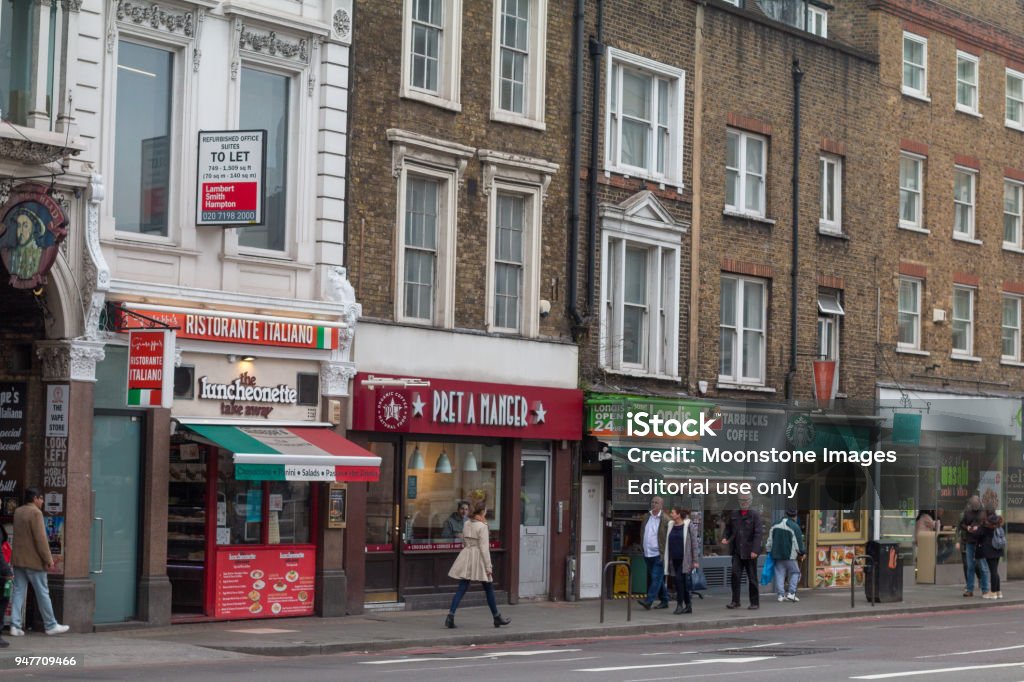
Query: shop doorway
x=114 y=551
x=534 y=525
x=383 y=541
x=591 y=536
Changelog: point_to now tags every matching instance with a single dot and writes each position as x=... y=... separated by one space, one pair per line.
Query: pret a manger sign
x=150 y=368
x=230 y=179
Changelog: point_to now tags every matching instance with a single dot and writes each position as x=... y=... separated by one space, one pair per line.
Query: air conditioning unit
x=938 y=315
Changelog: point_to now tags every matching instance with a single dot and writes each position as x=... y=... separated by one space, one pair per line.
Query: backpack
x=998 y=538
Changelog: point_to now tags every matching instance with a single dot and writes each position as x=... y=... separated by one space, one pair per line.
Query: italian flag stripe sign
x=325 y=337
x=144 y=397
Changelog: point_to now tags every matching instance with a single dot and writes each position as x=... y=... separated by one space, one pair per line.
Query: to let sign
x=150 y=368
x=230 y=177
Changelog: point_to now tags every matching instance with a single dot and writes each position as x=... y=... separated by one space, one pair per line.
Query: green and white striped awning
x=290 y=453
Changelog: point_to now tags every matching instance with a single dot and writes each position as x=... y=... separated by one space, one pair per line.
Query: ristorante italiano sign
x=211 y=326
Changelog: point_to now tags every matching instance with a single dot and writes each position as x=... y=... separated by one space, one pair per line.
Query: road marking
x=671 y=653
x=731 y=659
x=886 y=676
x=976 y=651
x=707 y=651
x=701 y=676
x=496 y=654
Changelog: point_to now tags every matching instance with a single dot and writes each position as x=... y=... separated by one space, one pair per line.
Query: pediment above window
x=643 y=210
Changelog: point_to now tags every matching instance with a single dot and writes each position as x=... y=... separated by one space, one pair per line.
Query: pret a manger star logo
x=539 y=412
x=417 y=405
x=392 y=410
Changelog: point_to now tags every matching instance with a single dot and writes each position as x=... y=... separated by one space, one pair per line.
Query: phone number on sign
x=20 y=661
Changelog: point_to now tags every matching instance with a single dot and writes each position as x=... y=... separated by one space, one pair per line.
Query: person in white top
x=655 y=536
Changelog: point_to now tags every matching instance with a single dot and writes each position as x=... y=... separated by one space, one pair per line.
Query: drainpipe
x=596 y=52
x=791 y=375
x=695 y=227
x=575 y=319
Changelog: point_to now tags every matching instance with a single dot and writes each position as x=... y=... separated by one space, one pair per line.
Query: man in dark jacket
x=970 y=528
x=743 y=535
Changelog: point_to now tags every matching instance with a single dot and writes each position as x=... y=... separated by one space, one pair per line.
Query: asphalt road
x=936 y=647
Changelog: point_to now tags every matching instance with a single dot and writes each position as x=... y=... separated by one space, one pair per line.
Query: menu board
x=833 y=566
x=265 y=582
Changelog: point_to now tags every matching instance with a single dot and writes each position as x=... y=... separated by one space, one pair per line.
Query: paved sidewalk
x=530 y=621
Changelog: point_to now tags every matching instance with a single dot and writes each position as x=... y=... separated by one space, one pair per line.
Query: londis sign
x=211 y=326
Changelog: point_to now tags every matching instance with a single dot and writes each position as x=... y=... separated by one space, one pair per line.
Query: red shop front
x=446 y=442
x=248 y=504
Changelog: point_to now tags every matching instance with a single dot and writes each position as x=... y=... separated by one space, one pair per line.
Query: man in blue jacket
x=786 y=545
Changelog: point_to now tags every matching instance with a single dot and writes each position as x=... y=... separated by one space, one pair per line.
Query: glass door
x=382 y=529
x=114 y=556
x=534 y=528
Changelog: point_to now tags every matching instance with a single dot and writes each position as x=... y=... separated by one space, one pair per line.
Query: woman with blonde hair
x=474 y=564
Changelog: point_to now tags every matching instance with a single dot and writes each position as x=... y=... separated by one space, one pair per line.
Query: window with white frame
x=645 y=118
x=911 y=197
x=915 y=65
x=831 y=218
x=966 y=82
x=520 y=30
x=640 y=284
x=428 y=171
x=1011 y=329
x=264 y=104
x=830 y=311
x=515 y=187
x=802 y=14
x=1013 y=193
x=742 y=330
x=963 y=203
x=909 y=314
x=143 y=144
x=1014 y=99
x=963 y=321
x=817 y=20
x=432 y=39
x=745 y=168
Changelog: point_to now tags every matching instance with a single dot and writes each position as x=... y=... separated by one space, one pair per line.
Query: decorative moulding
x=517 y=168
x=73 y=360
x=428 y=150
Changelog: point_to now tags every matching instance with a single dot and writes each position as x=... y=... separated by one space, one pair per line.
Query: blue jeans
x=973 y=560
x=488 y=590
x=22 y=577
x=656 y=587
x=781 y=567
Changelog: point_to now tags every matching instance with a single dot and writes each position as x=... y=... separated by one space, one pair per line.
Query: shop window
x=185 y=382
x=288 y=513
x=438 y=476
x=309 y=389
x=243 y=502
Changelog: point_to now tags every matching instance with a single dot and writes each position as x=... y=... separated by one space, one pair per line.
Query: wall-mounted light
x=416 y=461
x=444 y=465
x=248 y=358
x=470 y=463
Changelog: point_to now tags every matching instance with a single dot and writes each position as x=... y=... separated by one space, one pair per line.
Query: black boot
x=449 y=621
x=499 y=621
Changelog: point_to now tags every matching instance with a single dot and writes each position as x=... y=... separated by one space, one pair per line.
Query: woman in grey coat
x=474 y=564
x=682 y=554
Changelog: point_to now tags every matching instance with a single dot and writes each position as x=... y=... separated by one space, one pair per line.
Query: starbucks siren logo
x=800 y=431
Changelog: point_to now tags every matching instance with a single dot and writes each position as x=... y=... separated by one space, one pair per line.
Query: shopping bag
x=768 y=572
x=698 y=581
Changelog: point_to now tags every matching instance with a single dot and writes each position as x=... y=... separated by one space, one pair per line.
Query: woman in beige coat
x=474 y=564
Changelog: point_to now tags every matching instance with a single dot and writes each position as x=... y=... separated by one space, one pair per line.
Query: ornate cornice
x=155 y=17
x=268 y=43
x=71 y=5
x=335 y=378
x=73 y=360
x=33 y=152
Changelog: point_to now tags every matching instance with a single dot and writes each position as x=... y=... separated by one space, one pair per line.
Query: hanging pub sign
x=32 y=225
x=231 y=176
x=151 y=368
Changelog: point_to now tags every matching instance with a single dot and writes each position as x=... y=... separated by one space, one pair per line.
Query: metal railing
x=629 y=583
x=874 y=577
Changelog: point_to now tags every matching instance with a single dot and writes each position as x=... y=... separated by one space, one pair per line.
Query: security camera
x=545 y=308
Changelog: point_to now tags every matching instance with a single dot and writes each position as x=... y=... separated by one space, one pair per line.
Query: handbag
x=698 y=581
x=768 y=571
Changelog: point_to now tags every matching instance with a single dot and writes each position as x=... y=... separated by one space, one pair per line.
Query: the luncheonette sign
x=261 y=582
x=210 y=326
x=244 y=389
x=232 y=171
x=151 y=368
x=468 y=408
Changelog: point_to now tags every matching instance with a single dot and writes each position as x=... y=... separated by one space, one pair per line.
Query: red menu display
x=265 y=582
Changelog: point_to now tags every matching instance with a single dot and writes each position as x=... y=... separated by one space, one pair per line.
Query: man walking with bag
x=31 y=558
x=786 y=546
x=743 y=534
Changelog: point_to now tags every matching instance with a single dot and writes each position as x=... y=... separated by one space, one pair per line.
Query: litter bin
x=886 y=561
